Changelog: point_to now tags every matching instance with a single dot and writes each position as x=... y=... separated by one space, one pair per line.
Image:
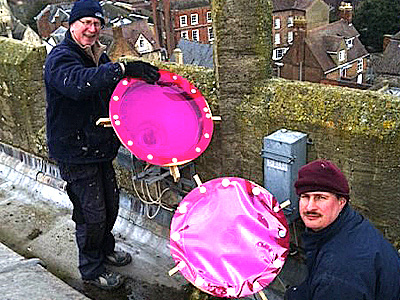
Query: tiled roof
x=59 y=34
x=338 y=28
x=18 y=29
x=330 y=38
x=279 y=5
x=195 y=53
x=390 y=63
x=132 y=31
x=112 y=11
x=396 y=36
x=188 y=4
x=55 y=9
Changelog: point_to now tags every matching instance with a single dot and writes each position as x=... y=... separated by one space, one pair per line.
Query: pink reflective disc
x=229 y=238
x=167 y=123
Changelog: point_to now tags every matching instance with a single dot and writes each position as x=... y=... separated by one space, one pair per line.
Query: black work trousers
x=93 y=191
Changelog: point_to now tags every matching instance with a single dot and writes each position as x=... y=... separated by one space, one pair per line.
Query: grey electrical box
x=284 y=152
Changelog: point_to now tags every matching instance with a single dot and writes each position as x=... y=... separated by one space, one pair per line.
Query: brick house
x=192 y=20
x=135 y=39
x=178 y=19
x=316 y=12
x=330 y=54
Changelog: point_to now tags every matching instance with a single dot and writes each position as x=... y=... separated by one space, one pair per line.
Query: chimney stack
x=157 y=28
x=300 y=29
x=117 y=33
x=178 y=56
x=386 y=40
x=346 y=12
x=300 y=32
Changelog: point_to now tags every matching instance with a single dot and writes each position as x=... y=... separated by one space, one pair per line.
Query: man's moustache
x=310 y=213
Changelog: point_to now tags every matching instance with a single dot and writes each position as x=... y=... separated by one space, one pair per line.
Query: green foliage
x=375 y=18
x=356 y=112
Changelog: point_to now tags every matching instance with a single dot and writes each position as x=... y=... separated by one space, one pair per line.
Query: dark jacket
x=78 y=93
x=350 y=259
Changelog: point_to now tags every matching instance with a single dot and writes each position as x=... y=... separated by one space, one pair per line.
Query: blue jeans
x=93 y=191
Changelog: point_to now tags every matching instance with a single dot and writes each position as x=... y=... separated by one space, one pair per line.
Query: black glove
x=143 y=70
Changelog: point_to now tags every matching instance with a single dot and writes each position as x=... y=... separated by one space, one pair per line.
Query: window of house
x=360 y=65
x=290 y=37
x=195 y=35
x=277 y=39
x=183 y=20
x=343 y=72
x=210 y=34
x=185 y=35
x=278 y=53
x=290 y=21
x=349 y=43
x=209 y=17
x=141 y=42
x=277 y=23
x=342 y=55
x=194 y=19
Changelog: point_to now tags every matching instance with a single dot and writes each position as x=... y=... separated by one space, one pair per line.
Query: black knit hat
x=323 y=176
x=86 y=8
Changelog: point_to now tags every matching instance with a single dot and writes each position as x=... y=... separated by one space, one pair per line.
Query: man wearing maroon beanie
x=347 y=257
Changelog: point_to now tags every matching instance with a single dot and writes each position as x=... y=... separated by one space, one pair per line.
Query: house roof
x=396 y=36
x=330 y=39
x=58 y=34
x=338 y=28
x=61 y=9
x=279 y=5
x=111 y=11
x=188 y=4
x=195 y=53
x=18 y=29
x=132 y=31
x=390 y=62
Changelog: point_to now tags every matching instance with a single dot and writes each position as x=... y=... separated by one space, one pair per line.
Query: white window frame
x=194 y=19
x=277 y=23
x=209 y=17
x=277 y=39
x=183 y=21
x=278 y=53
x=360 y=78
x=195 y=32
x=290 y=37
x=290 y=21
x=141 y=42
x=360 y=65
x=342 y=55
x=210 y=34
x=185 y=34
x=343 y=72
x=349 y=43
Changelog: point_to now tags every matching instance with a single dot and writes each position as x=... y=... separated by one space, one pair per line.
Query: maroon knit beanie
x=324 y=176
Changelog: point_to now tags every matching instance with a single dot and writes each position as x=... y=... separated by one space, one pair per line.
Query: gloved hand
x=143 y=70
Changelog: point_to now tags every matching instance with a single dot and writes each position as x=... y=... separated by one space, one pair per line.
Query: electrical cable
x=147 y=198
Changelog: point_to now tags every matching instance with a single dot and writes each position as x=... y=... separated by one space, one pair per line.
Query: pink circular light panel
x=167 y=123
x=229 y=237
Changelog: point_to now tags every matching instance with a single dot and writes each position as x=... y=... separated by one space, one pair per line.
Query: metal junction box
x=284 y=152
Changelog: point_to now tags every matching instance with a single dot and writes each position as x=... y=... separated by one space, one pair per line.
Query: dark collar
x=314 y=239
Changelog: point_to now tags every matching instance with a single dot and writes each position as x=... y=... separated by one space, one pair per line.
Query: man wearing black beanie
x=80 y=79
x=347 y=257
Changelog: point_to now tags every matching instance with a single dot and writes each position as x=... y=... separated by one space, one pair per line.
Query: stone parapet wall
x=358 y=130
x=22 y=105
